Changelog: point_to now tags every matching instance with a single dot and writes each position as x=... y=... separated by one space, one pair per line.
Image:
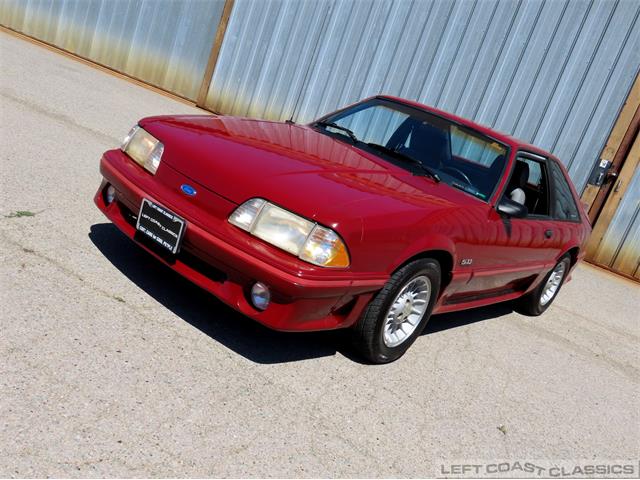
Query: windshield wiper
x=407 y=159
x=469 y=189
x=383 y=149
x=349 y=132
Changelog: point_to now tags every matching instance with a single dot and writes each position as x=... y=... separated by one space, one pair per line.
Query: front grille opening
x=201 y=266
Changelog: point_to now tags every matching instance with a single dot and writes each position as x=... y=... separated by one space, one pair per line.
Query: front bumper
x=300 y=301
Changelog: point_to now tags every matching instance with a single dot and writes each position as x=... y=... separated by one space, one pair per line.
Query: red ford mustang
x=371 y=218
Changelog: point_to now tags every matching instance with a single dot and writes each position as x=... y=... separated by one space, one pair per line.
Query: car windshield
x=422 y=143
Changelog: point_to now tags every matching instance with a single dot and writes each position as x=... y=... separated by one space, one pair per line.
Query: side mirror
x=513 y=209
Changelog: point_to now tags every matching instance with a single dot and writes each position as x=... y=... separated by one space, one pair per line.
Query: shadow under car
x=232 y=329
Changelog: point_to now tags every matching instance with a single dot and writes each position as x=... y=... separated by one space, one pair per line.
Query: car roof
x=512 y=142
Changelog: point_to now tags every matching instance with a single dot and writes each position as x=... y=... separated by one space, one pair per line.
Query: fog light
x=260 y=296
x=110 y=196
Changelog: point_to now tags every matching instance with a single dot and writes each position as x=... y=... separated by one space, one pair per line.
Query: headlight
x=282 y=229
x=292 y=233
x=144 y=148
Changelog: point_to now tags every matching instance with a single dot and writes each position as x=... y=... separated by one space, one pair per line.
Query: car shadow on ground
x=235 y=331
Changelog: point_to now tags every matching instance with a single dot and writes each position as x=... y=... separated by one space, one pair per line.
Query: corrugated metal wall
x=552 y=72
x=163 y=42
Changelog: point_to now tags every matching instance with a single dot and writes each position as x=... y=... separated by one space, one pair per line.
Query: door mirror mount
x=509 y=208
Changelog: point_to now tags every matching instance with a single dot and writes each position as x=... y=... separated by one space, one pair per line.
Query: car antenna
x=290 y=119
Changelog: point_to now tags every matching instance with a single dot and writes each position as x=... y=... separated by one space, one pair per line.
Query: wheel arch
x=443 y=257
x=573 y=254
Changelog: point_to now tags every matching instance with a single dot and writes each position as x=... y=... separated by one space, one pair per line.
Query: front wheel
x=399 y=312
x=539 y=299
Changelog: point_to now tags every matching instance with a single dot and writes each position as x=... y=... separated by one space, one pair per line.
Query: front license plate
x=160 y=225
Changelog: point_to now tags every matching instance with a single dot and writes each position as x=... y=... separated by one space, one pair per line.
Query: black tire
x=530 y=304
x=368 y=336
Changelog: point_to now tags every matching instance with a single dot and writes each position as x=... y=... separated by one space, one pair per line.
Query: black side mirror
x=513 y=209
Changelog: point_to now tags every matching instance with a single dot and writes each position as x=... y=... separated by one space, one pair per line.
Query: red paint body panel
x=385 y=215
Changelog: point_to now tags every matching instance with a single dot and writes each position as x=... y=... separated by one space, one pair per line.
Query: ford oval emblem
x=188 y=190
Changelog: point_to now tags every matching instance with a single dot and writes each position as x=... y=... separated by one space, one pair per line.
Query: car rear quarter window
x=564 y=205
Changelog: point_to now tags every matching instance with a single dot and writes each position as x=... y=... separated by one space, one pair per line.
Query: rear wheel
x=538 y=300
x=399 y=312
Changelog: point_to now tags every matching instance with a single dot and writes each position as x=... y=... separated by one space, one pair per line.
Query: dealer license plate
x=160 y=225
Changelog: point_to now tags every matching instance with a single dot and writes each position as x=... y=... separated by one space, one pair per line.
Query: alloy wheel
x=553 y=284
x=406 y=311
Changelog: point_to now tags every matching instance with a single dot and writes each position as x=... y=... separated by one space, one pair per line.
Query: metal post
x=215 y=52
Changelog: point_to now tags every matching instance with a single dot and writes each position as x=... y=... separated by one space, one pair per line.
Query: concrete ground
x=111 y=365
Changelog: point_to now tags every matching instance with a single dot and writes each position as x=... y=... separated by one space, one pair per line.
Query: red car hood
x=292 y=165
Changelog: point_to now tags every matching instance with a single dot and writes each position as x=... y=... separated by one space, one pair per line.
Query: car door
x=523 y=247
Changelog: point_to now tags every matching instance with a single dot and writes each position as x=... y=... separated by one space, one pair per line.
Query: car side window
x=529 y=185
x=564 y=205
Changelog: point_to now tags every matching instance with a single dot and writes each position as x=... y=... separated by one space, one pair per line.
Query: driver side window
x=529 y=185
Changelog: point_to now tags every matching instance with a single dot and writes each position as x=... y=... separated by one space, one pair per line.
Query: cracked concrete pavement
x=111 y=365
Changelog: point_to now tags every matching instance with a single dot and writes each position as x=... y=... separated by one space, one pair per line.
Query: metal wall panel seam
x=561 y=73
x=257 y=33
x=397 y=46
x=521 y=55
x=442 y=58
x=343 y=88
x=498 y=57
x=312 y=62
x=415 y=50
x=368 y=86
x=265 y=58
x=540 y=65
x=475 y=57
x=288 y=35
x=371 y=16
x=455 y=53
x=336 y=58
x=457 y=96
x=446 y=22
x=583 y=76
x=495 y=82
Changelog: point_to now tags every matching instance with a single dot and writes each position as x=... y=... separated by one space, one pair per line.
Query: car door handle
x=548 y=233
